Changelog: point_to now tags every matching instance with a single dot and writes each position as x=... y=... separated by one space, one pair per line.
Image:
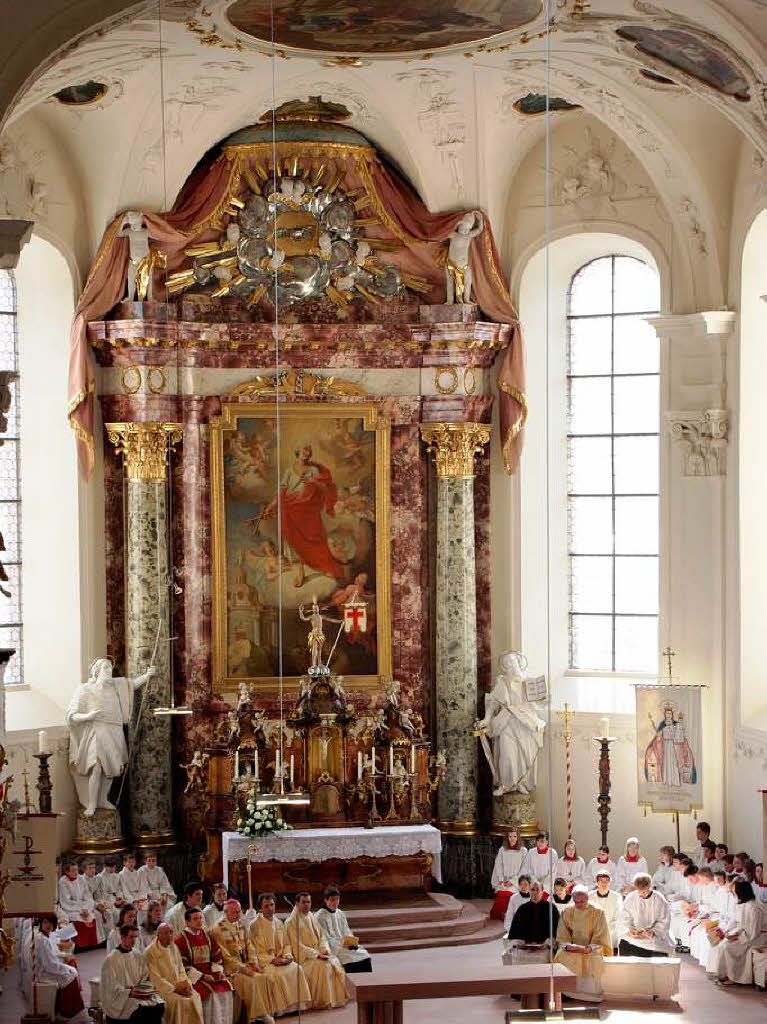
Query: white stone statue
x=514 y=728
x=134 y=229
x=97 y=712
x=458 y=274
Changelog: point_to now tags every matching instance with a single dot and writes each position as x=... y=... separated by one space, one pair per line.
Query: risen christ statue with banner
x=307 y=490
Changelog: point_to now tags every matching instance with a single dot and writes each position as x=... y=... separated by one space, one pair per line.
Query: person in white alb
x=76 y=906
x=109 y=889
x=522 y=895
x=571 y=867
x=132 y=885
x=703 y=835
x=735 y=964
x=155 y=881
x=630 y=864
x=214 y=911
x=100 y=902
x=175 y=916
x=343 y=943
x=126 y=991
x=601 y=862
x=610 y=903
x=644 y=921
x=128 y=915
x=508 y=866
x=665 y=876
x=541 y=862
x=50 y=969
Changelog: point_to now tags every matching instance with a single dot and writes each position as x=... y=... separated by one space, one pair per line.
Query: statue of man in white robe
x=514 y=727
x=97 y=712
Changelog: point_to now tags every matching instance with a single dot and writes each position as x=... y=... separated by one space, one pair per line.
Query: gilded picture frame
x=331 y=464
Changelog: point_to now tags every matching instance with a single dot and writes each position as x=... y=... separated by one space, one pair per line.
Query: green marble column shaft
x=454 y=446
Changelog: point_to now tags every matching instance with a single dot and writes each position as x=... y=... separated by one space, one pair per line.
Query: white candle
x=237 y=763
x=42 y=742
x=292 y=768
x=277 y=764
x=255 y=762
x=391 y=759
x=373 y=759
x=359 y=765
x=604 y=725
x=412 y=760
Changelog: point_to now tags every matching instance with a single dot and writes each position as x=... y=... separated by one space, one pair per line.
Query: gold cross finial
x=668 y=654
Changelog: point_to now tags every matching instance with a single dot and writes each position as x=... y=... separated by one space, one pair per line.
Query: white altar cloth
x=318 y=844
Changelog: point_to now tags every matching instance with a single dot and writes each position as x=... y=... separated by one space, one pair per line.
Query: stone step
x=438 y=907
x=489 y=932
x=470 y=921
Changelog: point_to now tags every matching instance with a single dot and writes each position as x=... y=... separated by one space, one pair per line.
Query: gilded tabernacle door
x=309 y=481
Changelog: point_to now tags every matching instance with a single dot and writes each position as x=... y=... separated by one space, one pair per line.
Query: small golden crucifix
x=668 y=654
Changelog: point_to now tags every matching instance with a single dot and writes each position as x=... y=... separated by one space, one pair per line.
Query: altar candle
x=237 y=764
x=255 y=762
x=391 y=759
x=373 y=759
x=604 y=725
x=292 y=768
x=359 y=765
x=412 y=760
x=42 y=742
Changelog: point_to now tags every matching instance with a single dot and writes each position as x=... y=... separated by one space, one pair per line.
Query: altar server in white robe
x=645 y=921
x=507 y=868
x=735 y=967
x=571 y=867
x=584 y=941
x=343 y=943
x=128 y=915
x=269 y=936
x=77 y=906
x=100 y=903
x=133 y=886
x=324 y=973
x=728 y=920
x=601 y=862
x=664 y=878
x=629 y=864
x=50 y=969
x=109 y=890
x=214 y=911
x=522 y=895
x=126 y=991
x=707 y=918
x=541 y=862
x=610 y=903
x=169 y=978
x=703 y=835
x=192 y=900
x=155 y=881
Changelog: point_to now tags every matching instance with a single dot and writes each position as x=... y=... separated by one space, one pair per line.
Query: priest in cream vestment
x=584 y=941
x=251 y=984
x=269 y=937
x=168 y=976
x=324 y=973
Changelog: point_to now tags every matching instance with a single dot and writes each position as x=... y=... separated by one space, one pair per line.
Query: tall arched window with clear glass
x=10 y=484
x=613 y=459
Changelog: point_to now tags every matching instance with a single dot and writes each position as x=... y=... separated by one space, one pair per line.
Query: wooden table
x=380 y=995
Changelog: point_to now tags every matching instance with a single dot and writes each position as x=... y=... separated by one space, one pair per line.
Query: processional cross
x=668 y=654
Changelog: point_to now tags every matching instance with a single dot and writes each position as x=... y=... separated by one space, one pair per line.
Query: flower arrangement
x=253 y=821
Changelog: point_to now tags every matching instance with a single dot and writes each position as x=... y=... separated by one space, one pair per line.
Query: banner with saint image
x=669 y=747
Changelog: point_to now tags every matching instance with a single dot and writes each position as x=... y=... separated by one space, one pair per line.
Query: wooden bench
x=380 y=995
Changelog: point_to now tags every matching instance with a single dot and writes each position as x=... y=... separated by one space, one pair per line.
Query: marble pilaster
x=145 y=448
x=454 y=446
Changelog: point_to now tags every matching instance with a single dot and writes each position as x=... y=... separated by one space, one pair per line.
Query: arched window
x=10 y=486
x=613 y=454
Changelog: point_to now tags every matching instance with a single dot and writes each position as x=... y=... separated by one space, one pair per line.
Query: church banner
x=669 y=747
x=30 y=858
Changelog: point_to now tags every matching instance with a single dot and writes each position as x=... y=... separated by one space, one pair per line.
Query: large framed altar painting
x=300 y=509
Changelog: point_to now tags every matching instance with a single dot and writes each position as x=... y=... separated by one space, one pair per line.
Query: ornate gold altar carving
x=251 y=601
x=446 y=380
x=297 y=382
x=130 y=378
x=454 y=446
x=145 y=447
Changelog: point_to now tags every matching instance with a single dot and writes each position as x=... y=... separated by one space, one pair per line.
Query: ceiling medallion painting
x=691 y=54
x=380 y=26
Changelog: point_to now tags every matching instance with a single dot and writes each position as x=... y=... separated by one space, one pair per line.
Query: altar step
x=434 y=920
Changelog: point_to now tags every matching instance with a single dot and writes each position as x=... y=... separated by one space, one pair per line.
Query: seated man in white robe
x=192 y=900
x=169 y=978
x=703 y=835
x=645 y=921
x=324 y=974
x=50 y=969
x=533 y=929
x=214 y=911
x=132 y=885
x=126 y=991
x=109 y=890
x=610 y=903
x=343 y=943
x=584 y=941
x=269 y=936
x=76 y=906
x=100 y=904
x=155 y=881
x=522 y=895
x=735 y=961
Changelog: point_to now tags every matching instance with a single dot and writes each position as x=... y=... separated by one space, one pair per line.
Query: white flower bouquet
x=255 y=821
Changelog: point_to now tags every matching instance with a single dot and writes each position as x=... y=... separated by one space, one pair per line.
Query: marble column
x=145 y=447
x=454 y=446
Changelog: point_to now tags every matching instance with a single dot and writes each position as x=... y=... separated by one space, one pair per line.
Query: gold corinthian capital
x=454 y=446
x=145 y=447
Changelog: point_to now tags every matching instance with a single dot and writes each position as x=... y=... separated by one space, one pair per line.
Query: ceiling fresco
x=380 y=26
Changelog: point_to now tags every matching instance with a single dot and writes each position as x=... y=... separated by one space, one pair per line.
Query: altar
x=381 y=855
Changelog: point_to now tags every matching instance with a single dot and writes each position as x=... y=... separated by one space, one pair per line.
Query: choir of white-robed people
x=645 y=920
x=584 y=941
x=343 y=943
x=170 y=980
x=214 y=911
x=77 y=906
x=324 y=973
x=290 y=991
x=155 y=881
x=175 y=916
x=610 y=903
x=127 y=993
x=508 y=866
x=252 y=986
x=541 y=862
x=735 y=963
x=533 y=928
x=201 y=956
x=571 y=867
x=50 y=969
x=631 y=863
